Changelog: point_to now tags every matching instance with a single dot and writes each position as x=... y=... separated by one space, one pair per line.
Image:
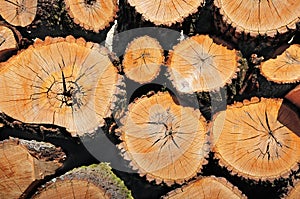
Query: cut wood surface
x=92 y=15
x=198 y=64
x=7 y=39
x=250 y=141
x=94 y=181
x=285 y=68
x=163 y=140
x=294 y=192
x=18 y=12
x=294 y=96
x=67 y=82
x=143 y=59
x=165 y=12
x=207 y=187
x=260 y=17
x=23 y=162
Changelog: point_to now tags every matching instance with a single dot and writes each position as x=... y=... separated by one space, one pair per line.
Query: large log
x=163 y=140
x=62 y=81
x=250 y=140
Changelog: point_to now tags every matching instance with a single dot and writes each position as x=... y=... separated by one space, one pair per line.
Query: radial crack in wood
x=18 y=12
x=285 y=68
x=66 y=82
x=163 y=140
x=260 y=16
x=251 y=142
x=142 y=59
x=22 y=162
x=92 y=15
x=198 y=64
x=94 y=181
x=166 y=12
x=207 y=187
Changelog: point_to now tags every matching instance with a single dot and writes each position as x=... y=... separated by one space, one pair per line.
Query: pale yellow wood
x=143 y=59
x=92 y=15
x=285 y=68
x=66 y=82
x=198 y=64
x=18 y=12
x=163 y=140
x=166 y=12
x=207 y=187
x=260 y=16
x=20 y=166
x=7 y=39
x=249 y=140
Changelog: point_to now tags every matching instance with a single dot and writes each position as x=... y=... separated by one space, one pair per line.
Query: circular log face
x=165 y=12
x=207 y=187
x=252 y=142
x=18 y=12
x=66 y=82
x=165 y=141
x=260 y=16
x=285 y=68
x=143 y=59
x=198 y=64
x=92 y=15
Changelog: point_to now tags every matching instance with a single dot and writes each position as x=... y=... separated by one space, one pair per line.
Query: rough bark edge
x=221 y=180
x=162 y=63
x=6 y=53
x=124 y=153
x=88 y=27
x=239 y=30
x=238 y=59
x=274 y=80
x=179 y=20
x=43 y=151
x=231 y=169
x=81 y=42
x=101 y=175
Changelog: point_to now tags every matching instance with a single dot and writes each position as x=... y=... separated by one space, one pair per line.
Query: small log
x=260 y=17
x=294 y=96
x=94 y=181
x=207 y=187
x=163 y=140
x=165 y=12
x=142 y=59
x=23 y=162
x=251 y=142
x=198 y=64
x=92 y=15
x=285 y=68
x=8 y=42
x=18 y=12
x=66 y=82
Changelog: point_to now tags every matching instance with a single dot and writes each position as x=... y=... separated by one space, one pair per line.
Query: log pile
x=147 y=105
